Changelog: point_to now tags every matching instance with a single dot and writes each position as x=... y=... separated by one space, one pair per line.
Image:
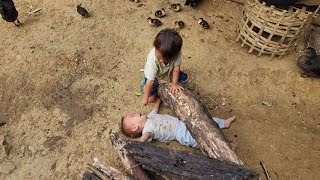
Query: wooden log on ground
x=118 y=142
x=97 y=172
x=203 y=129
x=175 y=164
x=90 y=176
x=111 y=172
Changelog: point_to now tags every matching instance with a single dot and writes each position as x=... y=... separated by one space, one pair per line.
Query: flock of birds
x=176 y=8
x=309 y=62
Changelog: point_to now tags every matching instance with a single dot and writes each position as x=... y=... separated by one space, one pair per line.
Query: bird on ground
x=154 y=22
x=309 y=63
x=82 y=11
x=160 y=13
x=204 y=24
x=136 y=1
x=192 y=3
x=8 y=12
x=178 y=25
x=176 y=7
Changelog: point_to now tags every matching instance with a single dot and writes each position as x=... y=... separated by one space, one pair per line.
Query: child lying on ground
x=163 y=127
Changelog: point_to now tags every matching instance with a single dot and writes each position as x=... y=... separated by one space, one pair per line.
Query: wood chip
x=35 y=11
x=266 y=103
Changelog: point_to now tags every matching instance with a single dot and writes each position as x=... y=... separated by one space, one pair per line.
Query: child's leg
x=224 y=123
x=228 y=121
x=183 y=77
x=152 y=95
x=184 y=137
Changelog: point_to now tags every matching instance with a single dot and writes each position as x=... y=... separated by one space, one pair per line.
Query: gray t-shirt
x=154 y=69
x=162 y=127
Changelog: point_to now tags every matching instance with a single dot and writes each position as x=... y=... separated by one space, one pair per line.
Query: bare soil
x=65 y=81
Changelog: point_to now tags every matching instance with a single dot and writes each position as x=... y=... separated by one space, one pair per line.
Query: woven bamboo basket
x=270 y=30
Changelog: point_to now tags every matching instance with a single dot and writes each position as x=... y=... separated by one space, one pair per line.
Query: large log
x=175 y=164
x=118 y=142
x=203 y=129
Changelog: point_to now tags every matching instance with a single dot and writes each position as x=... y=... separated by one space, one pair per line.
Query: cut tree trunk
x=175 y=164
x=118 y=141
x=199 y=122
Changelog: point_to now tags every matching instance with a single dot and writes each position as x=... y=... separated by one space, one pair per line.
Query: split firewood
x=118 y=142
x=111 y=172
x=173 y=164
x=35 y=11
x=97 y=172
x=198 y=120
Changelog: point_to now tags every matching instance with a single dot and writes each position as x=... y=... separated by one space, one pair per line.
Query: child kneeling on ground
x=163 y=127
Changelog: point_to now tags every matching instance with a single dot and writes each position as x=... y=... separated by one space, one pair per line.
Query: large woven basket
x=270 y=30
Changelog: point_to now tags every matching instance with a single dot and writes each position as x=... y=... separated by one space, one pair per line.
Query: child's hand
x=144 y=102
x=175 y=87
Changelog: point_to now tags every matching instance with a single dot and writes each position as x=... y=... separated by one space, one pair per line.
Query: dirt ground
x=65 y=81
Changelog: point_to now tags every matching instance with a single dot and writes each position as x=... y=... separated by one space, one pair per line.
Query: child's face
x=160 y=57
x=136 y=119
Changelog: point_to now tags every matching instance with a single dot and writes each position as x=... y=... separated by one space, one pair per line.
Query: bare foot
x=233 y=145
x=228 y=121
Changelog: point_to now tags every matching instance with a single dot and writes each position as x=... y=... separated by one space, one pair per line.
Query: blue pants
x=184 y=137
x=183 y=78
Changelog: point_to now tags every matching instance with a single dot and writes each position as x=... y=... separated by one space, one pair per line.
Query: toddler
x=163 y=66
x=163 y=127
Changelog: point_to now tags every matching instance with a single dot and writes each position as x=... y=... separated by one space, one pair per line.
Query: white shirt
x=162 y=127
x=154 y=69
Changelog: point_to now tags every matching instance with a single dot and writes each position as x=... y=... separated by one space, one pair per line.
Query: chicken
x=8 y=11
x=310 y=63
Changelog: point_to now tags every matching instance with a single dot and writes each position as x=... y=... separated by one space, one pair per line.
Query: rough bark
x=90 y=176
x=111 y=172
x=203 y=129
x=118 y=141
x=175 y=164
x=98 y=173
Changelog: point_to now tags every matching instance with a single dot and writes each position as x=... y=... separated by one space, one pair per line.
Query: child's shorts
x=183 y=78
x=184 y=137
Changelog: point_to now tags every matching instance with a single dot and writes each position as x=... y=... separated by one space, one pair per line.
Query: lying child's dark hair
x=169 y=43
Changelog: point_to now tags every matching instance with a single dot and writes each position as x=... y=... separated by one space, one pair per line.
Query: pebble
x=32 y=149
x=7 y=167
x=3 y=152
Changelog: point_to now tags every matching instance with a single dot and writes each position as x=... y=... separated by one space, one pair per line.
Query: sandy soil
x=65 y=81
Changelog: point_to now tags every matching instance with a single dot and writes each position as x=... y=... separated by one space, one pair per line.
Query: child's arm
x=157 y=105
x=146 y=91
x=145 y=137
x=175 y=87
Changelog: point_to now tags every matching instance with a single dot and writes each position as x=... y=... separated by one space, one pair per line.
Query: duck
x=8 y=12
x=154 y=22
x=178 y=25
x=309 y=63
x=160 y=13
x=204 y=24
x=82 y=11
x=176 y=7
x=191 y=3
